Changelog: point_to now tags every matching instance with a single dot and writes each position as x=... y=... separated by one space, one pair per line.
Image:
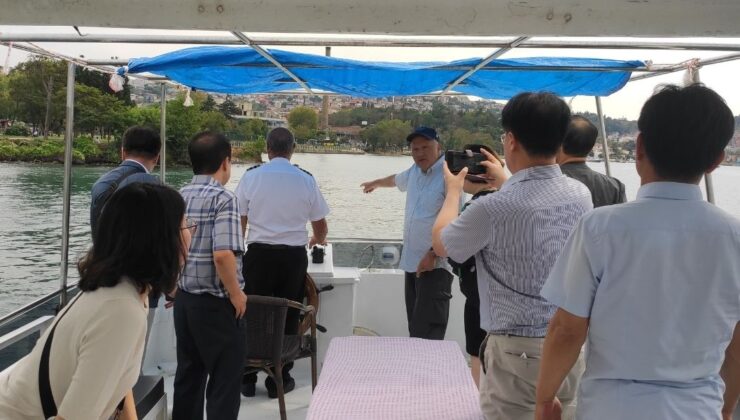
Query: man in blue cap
x=428 y=277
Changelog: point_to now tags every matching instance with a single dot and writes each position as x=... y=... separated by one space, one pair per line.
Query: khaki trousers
x=507 y=389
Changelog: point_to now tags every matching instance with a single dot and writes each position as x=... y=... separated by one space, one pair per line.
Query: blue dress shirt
x=659 y=278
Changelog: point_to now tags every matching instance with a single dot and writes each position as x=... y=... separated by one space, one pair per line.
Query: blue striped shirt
x=215 y=210
x=516 y=235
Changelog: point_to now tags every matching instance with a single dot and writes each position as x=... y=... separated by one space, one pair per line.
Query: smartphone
x=457 y=160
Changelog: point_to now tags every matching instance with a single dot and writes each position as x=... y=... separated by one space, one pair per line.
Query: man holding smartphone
x=428 y=276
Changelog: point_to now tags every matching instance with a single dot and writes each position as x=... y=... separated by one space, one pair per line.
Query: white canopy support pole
x=325 y=103
x=604 y=143
x=261 y=51
x=6 y=66
x=483 y=63
x=163 y=133
x=67 y=188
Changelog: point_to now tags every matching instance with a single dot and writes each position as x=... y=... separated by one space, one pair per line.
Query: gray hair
x=280 y=141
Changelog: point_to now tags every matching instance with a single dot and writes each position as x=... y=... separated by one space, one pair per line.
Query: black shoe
x=248 y=389
x=288 y=385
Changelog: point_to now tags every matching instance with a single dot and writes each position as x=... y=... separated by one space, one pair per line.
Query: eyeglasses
x=190 y=225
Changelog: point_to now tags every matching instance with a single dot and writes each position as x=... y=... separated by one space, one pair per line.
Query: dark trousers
x=280 y=271
x=211 y=348
x=428 y=303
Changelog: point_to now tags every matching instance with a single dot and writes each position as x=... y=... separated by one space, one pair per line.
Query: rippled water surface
x=31 y=211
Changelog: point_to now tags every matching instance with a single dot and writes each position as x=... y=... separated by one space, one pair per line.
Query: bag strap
x=493 y=277
x=113 y=187
x=47 y=398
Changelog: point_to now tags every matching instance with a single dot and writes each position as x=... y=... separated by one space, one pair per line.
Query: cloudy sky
x=724 y=78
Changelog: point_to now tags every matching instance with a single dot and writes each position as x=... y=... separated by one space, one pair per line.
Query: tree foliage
x=31 y=84
x=386 y=135
x=251 y=129
x=100 y=81
x=7 y=104
x=229 y=108
x=303 y=121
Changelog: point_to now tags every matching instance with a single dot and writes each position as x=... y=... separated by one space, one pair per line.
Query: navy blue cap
x=426 y=132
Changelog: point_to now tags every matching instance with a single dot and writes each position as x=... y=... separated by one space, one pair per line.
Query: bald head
x=280 y=143
x=580 y=137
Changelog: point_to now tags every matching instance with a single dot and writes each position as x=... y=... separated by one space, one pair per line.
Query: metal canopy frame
x=483 y=63
x=411 y=17
x=240 y=38
x=261 y=51
x=367 y=41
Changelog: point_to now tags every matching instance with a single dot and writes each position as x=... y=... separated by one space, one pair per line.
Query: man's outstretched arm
x=387 y=182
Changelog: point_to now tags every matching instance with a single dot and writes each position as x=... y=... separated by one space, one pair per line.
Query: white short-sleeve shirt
x=279 y=199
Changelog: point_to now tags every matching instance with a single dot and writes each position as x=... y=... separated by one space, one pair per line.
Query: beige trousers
x=507 y=389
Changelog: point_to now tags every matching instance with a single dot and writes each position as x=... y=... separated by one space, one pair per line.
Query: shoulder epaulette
x=309 y=173
x=253 y=167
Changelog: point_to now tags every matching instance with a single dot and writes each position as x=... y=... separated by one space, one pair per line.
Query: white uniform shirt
x=279 y=199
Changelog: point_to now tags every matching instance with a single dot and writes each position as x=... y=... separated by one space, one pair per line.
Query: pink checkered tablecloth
x=394 y=378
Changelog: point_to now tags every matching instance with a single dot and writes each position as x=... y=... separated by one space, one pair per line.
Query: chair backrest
x=312 y=298
x=265 y=326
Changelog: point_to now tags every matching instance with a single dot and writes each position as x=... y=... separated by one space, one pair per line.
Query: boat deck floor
x=261 y=407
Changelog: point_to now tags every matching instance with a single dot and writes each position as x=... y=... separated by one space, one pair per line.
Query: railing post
x=710 y=188
x=163 y=133
x=604 y=143
x=67 y=189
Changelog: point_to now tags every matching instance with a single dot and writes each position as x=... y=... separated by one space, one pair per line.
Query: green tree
x=147 y=116
x=100 y=81
x=7 y=105
x=229 y=108
x=213 y=121
x=252 y=129
x=182 y=124
x=303 y=121
x=387 y=134
x=38 y=87
x=457 y=139
x=97 y=112
x=209 y=104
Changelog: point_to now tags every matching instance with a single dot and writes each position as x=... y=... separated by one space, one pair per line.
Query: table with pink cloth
x=387 y=378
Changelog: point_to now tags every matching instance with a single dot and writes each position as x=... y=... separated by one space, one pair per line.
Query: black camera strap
x=488 y=269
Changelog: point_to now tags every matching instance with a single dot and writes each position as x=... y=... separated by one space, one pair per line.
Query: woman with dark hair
x=84 y=366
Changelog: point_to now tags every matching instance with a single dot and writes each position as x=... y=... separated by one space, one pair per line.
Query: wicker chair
x=269 y=348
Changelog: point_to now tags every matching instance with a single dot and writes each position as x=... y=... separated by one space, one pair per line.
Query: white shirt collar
x=138 y=163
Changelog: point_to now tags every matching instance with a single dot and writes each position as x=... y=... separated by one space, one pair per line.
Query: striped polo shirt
x=516 y=235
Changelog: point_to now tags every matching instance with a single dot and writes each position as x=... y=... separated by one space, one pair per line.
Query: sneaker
x=288 y=385
x=248 y=389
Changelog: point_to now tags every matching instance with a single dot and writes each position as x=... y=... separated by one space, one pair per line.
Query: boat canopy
x=245 y=70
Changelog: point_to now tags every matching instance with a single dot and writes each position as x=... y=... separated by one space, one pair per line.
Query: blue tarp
x=241 y=70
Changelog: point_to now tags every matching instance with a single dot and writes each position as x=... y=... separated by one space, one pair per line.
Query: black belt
x=259 y=245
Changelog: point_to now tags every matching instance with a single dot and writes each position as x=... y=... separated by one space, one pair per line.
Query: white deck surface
x=260 y=407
